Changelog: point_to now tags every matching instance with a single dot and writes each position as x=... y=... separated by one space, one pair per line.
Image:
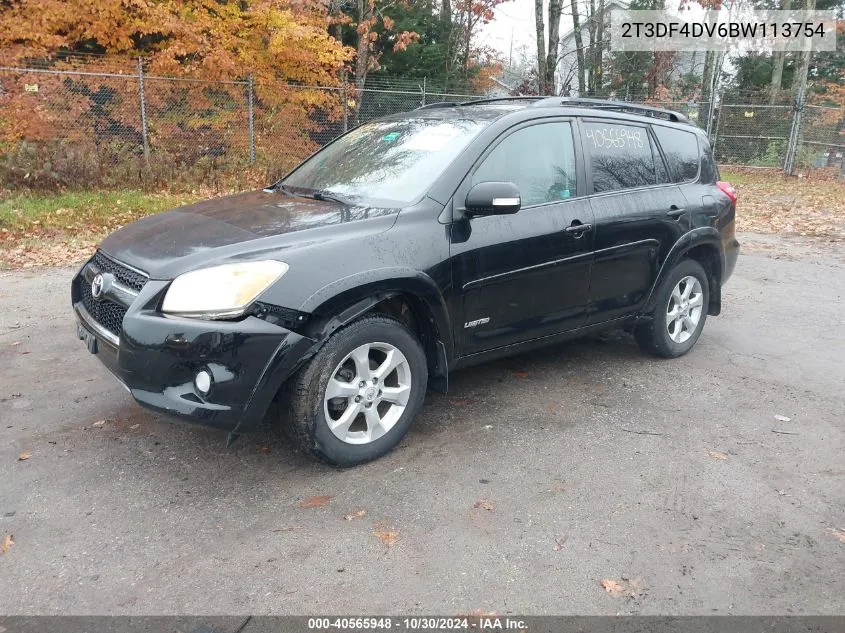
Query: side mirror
x=493 y=198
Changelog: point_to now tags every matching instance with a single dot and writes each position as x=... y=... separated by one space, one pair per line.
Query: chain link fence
x=120 y=126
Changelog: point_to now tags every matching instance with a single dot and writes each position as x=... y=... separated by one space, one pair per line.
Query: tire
x=311 y=414
x=660 y=338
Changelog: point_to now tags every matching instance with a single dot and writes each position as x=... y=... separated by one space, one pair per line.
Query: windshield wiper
x=314 y=195
x=327 y=195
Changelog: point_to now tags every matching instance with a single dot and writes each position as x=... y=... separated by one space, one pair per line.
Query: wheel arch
x=409 y=296
x=704 y=245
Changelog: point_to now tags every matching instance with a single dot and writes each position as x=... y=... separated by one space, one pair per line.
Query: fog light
x=202 y=381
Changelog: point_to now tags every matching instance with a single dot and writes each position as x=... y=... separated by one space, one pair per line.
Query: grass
x=62 y=228
x=86 y=211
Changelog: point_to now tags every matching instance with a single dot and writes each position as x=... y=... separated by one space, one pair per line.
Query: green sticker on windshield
x=390 y=137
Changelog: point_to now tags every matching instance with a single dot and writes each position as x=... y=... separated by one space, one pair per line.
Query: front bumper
x=156 y=357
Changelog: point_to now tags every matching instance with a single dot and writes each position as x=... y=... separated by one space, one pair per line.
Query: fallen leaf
x=717 y=455
x=7 y=543
x=625 y=587
x=387 y=534
x=559 y=543
x=355 y=514
x=521 y=374
x=264 y=449
x=484 y=504
x=134 y=426
x=315 y=502
x=612 y=587
x=99 y=424
x=24 y=456
x=838 y=533
x=460 y=403
x=782 y=418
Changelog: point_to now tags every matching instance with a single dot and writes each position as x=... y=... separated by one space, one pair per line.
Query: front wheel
x=679 y=313
x=359 y=395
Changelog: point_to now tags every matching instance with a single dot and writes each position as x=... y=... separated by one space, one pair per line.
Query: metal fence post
x=144 y=136
x=423 y=92
x=251 y=121
x=794 y=133
x=345 y=105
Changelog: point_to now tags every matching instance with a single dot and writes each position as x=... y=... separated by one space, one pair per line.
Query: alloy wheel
x=367 y=393
x=684 y=310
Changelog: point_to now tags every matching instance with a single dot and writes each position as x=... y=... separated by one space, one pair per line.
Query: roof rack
x=575 y=102
x=619 y=106
x=454 y=104
x=439 y=104
x=497 y=99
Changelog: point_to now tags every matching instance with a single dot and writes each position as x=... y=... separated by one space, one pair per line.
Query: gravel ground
x=534 y=480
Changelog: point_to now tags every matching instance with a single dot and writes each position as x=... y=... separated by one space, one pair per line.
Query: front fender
x=350 y=296
x=707 y=236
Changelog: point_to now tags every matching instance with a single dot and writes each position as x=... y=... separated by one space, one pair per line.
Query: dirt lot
x=534 y=480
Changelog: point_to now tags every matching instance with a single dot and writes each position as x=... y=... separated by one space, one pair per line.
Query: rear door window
x=620 y=156
x=681 y=151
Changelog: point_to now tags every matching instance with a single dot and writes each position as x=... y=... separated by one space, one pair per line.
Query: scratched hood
x=224 y=229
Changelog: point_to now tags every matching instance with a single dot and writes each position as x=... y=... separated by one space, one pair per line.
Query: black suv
x=411 y=246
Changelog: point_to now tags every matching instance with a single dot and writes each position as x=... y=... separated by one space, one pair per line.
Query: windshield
x=386 y=162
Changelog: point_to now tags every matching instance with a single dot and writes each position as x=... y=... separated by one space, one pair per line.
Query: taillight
x=728 y=189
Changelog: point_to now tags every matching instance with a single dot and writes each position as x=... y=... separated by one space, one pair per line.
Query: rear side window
x=709 y=170
x=681 y=151
x=620 y=156
x=539 y=159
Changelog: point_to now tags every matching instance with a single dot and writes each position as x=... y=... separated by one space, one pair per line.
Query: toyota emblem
x=97 y=286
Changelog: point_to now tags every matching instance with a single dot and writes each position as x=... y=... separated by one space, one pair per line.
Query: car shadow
x=198 y=458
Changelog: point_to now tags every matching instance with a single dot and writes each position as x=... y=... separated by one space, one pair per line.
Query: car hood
x=255 y=223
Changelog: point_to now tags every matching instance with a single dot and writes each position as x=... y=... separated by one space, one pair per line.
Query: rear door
x=525 y=275
x=638 y=214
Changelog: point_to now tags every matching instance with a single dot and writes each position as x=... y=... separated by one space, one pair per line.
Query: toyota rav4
x=409 y=247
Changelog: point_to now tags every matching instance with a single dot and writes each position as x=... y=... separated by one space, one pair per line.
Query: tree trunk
x=706 y=84
x=555 y=10
x=591 y=51
x=541 y=46
x=579 y=45
x=598 y=49
x=799 y=82
x=778 y=59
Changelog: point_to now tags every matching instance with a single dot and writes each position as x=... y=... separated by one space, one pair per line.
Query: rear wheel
x=679 y=313
x=359 y=395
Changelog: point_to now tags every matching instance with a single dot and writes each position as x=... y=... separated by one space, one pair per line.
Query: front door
x=526 y=275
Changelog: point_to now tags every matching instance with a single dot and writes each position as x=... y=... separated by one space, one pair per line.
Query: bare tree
x=779 y=58
x=547 y=57
x=579 y=44
x=799 y=82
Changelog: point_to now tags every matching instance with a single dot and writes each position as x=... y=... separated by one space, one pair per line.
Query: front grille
x=104 y=311
x=124 y=275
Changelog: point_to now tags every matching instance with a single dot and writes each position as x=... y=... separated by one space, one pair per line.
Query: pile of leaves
x=810 y=205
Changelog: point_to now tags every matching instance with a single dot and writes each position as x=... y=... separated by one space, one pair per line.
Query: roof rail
x=497 y=99
x=439 y=104
x=620 y=106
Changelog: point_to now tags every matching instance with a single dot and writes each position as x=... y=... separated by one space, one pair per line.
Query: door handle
x=578 y=229
x=675 y=212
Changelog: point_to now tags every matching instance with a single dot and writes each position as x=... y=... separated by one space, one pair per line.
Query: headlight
x=221 y=292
